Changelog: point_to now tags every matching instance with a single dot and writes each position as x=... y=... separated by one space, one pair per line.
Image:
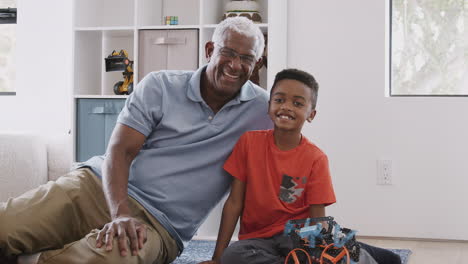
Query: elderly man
x=162 y=173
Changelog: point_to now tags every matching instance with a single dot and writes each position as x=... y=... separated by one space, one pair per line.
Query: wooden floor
x=426 y=252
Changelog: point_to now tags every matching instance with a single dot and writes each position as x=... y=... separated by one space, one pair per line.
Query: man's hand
x=123 y=227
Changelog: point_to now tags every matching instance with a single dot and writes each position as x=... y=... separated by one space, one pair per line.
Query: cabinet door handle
x=97 y=110
x=101 y=110
x=169 y=41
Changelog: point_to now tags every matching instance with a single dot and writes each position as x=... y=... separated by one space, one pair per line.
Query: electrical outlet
x=384 y=172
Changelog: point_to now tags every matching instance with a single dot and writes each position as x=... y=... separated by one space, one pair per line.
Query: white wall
x=43 y=101
x=342 y=44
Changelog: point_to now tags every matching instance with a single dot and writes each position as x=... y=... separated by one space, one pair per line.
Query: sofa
x=28 y=160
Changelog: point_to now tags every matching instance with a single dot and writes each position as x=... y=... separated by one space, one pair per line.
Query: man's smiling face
x=230 y=63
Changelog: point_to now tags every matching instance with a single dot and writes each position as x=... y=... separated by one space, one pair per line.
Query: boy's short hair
x=300 y=76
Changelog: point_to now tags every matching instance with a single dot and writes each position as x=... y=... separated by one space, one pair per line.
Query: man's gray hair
x=243 y=26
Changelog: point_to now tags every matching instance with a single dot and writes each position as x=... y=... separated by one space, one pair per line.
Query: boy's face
x=291 y=105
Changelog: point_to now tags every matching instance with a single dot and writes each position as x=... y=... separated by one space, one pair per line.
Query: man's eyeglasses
x=248 y=60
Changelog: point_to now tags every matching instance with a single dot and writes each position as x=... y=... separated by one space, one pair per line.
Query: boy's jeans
x=274 y=249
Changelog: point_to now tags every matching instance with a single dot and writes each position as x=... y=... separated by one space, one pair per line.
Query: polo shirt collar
x=247 y=92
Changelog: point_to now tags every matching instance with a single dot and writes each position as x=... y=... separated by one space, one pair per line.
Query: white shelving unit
x=101 y=26
x=106 y=25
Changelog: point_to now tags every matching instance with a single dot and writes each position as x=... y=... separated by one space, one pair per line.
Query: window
x=7 y=46
x=429 y=48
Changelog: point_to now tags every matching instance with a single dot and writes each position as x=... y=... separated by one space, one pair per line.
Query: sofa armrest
x=59 y=155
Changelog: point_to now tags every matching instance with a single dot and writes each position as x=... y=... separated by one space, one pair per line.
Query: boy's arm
x=231 y=212
x=318 y=210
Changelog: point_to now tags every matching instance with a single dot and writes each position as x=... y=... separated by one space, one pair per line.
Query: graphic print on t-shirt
x=288 y=189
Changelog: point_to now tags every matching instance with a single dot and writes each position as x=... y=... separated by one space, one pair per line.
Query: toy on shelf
x=119 y=61
x=171 y=20
x=314 y=244
x=248 y=9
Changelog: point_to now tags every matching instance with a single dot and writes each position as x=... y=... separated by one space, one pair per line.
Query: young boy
x=278 y=175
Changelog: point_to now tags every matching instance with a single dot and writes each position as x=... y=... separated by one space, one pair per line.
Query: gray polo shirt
x=177 y=175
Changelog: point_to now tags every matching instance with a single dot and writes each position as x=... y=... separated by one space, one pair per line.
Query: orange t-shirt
x=280 y=185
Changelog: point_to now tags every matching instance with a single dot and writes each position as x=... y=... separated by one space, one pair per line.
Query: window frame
x=8 y=20
x=390 y=65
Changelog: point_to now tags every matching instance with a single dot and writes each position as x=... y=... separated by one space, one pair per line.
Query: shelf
x=171 y=27
x=106 y=25
x=91 y=96
x=104 y=28
x=109 y=32
x=263 y=26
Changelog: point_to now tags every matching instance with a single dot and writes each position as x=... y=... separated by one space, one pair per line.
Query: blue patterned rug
x=201 y=250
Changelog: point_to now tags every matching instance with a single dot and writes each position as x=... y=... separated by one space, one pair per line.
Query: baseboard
x=413 y=239
x=210 y=238
x=213 y=238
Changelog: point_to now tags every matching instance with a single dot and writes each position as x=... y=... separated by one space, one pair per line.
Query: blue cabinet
x=95 y=120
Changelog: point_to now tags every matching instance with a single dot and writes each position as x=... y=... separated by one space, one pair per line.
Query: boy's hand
x=122 y=228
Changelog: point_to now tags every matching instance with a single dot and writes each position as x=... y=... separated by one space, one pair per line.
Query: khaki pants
x=61 y=220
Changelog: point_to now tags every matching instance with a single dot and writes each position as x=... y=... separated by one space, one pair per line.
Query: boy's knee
x=237 y=253
x=229 y=257
x=393 y=259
